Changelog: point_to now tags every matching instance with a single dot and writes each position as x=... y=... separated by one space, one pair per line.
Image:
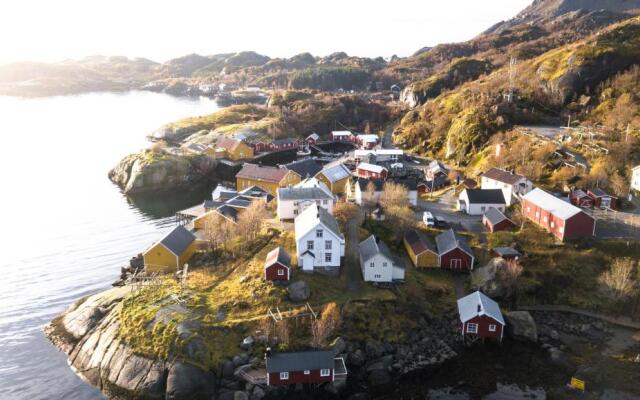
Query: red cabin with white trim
x=277 y=266
x=480 y=318
x=317 y=366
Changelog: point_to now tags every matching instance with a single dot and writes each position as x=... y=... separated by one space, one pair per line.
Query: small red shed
x=580 y=199
x=602 y=199
x=454 y=252
x=480 y=318
x=371 y=171
x=318 y=366
x=495 y=220
x=277 y=266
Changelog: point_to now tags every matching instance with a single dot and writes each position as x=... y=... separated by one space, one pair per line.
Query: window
x=327 y=244
x=295 y=212
x=327 y=257
x=544 y=219
x=318 y=233
x=325 y=372
x=284 y=375
x=372 y=265
x=281 y=272
x=377 y=276
x=528 y=209
x=325 y=202
x=307 y=372
x=483 y=208
x=309 y=244
x=472 y=328
x=561 y=229
x=384 y=264
x=553 y=224
x=492 y=328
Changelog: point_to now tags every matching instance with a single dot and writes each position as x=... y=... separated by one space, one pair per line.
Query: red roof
x=262 y=173
x=227 y=142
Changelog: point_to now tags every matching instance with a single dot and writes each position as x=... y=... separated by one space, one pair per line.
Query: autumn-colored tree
x=621 y=279
x=369 y=196
x=344 y=212
x=394 y=195
x=251 y=219
x=395 y=202
x=324 y=327
x=507 y=275
x=561 y=176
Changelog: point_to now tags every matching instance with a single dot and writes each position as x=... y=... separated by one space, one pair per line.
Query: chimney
x=479 y=308
x=267 y=352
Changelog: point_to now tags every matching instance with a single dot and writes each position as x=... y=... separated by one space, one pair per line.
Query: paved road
x=444 y=209
x=354 y=275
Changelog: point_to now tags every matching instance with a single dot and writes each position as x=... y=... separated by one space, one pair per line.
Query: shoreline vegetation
x=484 y=103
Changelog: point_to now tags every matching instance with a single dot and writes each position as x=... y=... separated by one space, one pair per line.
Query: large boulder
x=521 y=326
x=299 y=291
x=188 y=382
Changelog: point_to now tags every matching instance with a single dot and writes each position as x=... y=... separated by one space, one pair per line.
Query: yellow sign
x=577 y=384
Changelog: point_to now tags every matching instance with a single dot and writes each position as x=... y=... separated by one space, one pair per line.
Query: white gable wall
x=509 y=191
x=320 y=248
x=476 y=209
x=289 y=209
x=377 y=269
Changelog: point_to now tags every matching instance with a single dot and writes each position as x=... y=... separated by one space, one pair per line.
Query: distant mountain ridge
x=556 y=8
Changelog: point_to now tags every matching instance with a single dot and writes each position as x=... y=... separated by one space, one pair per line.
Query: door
x=455 y=263
x=307 y=262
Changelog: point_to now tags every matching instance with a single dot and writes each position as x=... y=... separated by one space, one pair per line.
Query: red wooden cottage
x=480 y=318
x=277 y=266
x=454 y=252
x=580 y=199
x=495 y=220
x=283 y=144
x=371 y=171
x=557 y=216
x=317 y=366
x=602 y=199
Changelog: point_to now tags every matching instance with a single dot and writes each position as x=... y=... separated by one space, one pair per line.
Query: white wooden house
x=377 y=263
x=292 y=201
x=319 y=242
x=513 y=186
x=478 y=201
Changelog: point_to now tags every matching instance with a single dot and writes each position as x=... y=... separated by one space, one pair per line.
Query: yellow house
x=421 y=250
x=234 y=149
x=267 y=178
x=171 y=252
x=336 y=177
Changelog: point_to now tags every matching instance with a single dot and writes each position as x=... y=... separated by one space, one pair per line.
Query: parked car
x=428 y=219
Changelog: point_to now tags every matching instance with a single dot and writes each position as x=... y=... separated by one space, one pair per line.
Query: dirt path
x=459 y=282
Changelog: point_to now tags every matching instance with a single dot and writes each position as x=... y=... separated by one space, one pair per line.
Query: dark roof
x=178 y=240
x=278 y=255
x=300 y=361
x=228 y=212
x=259 y=172
x=410 y=184
x=502 y=175
x=485 y=196
x=305 y=168
x=377 y=183
x=240 y=202
x=495 y=216
x=297 y=193
x=450 y=240
x=597 y=192
x=506 y=251
x=210 y=204
x=418 y=242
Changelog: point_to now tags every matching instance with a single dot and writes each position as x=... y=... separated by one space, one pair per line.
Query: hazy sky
x=51 y=30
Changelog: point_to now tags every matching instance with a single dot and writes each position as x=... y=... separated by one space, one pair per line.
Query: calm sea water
x=66 y=229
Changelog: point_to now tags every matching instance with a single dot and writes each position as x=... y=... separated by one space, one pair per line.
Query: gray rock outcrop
x=299 y=291
x=521 y=326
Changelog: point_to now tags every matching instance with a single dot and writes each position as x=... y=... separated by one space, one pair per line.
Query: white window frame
x=280 y=272
x=492 y=328
x=470 y=326
x=318 y=233
x=325 y=372
x=384 y=264
x=372 y=265
x=307 y=372
x=328 y=244
x=284 y=376
x=309 y=244
x=328 y=257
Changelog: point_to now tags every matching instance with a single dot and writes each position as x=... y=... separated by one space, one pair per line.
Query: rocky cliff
x=155 y=172
x=88 y=333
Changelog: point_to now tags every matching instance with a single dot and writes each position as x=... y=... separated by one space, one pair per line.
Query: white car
x=428 y=219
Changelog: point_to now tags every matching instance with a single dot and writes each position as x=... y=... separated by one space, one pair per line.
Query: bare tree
x=218 y=231
x=282 y=331
x=619 y=281
x=251 y=219
x=369 y=197
x=344 y=212
x=508 y=276
x=394 y=195
x=324 y=327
